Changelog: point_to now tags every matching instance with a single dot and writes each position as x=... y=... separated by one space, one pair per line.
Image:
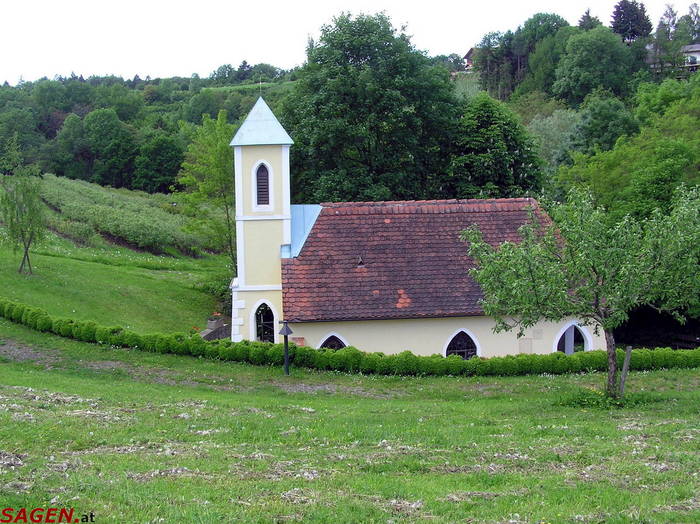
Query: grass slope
x=114 y=286
x=137 y=437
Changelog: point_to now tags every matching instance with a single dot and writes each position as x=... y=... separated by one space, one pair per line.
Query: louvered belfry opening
x=263 y=185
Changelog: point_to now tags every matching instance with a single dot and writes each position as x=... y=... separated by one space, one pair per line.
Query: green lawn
x=135 y=437
x=113 y=286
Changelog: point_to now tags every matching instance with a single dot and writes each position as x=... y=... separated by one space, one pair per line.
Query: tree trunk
x=612 y=388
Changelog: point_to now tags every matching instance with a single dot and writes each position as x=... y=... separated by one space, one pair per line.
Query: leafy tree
x=670 y=37
x=594 y=59
x=157 y=163
x=494 y=156
x=370 y=116
x=640 y=173
x=590 y=268
x=71 y=153
x=21 y=208
x=502 y=59
x=603 y=120
x=127 y=104
x=588 y=22
x=207 y=175
x=554 y=135
x=630 y=20
x=542 y=62
x=112 y=146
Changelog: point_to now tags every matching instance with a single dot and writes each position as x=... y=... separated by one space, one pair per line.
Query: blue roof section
x=261 y=128
x=303 y=219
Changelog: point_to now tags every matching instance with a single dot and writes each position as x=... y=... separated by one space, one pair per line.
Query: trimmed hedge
x=348 y=359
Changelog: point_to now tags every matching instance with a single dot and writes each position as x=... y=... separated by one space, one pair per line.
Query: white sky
x=177 y=38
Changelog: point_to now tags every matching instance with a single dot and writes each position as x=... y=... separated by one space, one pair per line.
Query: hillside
x=95 y=265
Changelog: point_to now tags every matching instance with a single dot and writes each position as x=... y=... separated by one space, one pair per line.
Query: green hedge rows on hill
x=348 y=359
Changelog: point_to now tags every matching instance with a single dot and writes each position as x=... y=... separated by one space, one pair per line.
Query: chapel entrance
x=264 y=324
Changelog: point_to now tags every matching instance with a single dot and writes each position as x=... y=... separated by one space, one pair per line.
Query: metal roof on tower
x=261 y=128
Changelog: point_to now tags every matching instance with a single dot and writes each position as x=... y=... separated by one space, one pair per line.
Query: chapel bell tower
x=263 y=223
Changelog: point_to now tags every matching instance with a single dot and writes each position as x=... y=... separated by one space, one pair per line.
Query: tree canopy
x=591 y=268
x=371 y=116
x=494 y=155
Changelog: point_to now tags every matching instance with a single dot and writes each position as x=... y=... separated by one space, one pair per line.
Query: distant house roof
x=386 y=260
x=261 y=128
x=693 y=48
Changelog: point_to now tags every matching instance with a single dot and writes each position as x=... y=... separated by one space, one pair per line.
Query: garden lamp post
x=286 y=331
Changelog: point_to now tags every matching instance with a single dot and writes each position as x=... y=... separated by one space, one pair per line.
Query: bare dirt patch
x=11 y=461
x=16 y=352
x=169 y=473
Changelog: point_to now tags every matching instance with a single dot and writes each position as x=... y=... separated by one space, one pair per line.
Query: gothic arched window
x=262 y=181
x=333 y=342
x=462 y=345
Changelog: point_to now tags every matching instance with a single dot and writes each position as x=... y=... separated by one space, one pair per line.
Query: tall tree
x=590 y=268
x=594 y=59
x=157 y=163
x=494 y=156
x=21 y=208
x=113 y=148
x=207 y=175
x=630 y=20
x=370 y=115
x=588 y=22
x=670 y=37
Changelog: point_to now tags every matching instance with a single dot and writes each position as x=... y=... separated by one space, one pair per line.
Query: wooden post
x=625 y=370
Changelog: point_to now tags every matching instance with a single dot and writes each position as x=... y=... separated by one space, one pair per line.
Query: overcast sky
x=178 y=38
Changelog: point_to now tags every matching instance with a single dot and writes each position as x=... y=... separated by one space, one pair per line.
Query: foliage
x=158 y=160
x=591 y=268
x=554 y=136
x=370 y=115
x=603 y=120
x=494 y=156
x=141 y=221
x=207 y=175
x=349 y=359
x=630 y=20
x=588 y=22
x=113 y=147
x=594 y=59
x=641 y=173
x=20 y=203
x=543 y=61
x=502 y=58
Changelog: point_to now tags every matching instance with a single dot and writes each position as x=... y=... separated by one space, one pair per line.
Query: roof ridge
x=429 y=202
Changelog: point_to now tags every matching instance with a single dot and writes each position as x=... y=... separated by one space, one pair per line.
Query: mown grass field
x=135 y=437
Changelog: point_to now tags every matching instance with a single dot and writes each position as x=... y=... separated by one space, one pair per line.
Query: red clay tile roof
x=384 y=260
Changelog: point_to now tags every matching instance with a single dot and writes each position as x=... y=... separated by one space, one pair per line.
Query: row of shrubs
x=348 y=359
x=137 y=219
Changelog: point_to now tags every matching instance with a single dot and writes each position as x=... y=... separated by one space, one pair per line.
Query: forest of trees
x=373 y=118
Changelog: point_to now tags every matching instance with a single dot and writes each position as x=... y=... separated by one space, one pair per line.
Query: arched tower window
x=262 y=180
x=264 y=324
x=462 y=345
x=333 y=342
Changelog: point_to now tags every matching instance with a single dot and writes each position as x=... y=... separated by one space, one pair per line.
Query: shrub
x=257 y=353
x=345 y=359
x=165 y=344
x=406 y=363
x=148 y=342
x=131 y=340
